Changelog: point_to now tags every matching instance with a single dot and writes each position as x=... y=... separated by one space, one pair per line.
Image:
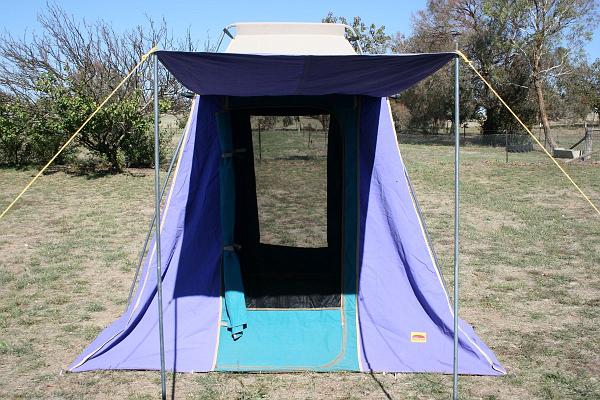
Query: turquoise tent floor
x=290 y=340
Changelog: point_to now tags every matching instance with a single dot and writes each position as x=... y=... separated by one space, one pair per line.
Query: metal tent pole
x=157 y=192
x=456 y=221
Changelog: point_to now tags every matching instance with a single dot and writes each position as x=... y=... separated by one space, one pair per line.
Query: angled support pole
x=157 y=196
x=456 y=219
x=226 y=31
x=354 y=37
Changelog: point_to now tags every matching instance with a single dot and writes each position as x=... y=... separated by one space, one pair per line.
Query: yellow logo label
x=418 y=337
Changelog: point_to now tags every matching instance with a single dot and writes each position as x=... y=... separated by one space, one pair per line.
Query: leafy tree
x=430 y=104
x=287 y=120
x=516 y=45
x=14 y=141
x=486 y=40
x=62 y=74
x=593 y=79
x=119 y=132
x=266 y=122
x=581 y=90
x=373 y=39
x=539 y=31
x=28 y=133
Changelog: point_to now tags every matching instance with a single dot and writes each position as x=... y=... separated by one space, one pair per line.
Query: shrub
x=28 y=133
x=15 y=148
x=120 y=133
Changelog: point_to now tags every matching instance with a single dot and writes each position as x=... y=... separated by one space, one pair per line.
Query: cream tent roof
x=289 y=38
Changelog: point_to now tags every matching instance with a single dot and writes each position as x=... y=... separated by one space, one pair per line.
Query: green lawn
x=530 y=282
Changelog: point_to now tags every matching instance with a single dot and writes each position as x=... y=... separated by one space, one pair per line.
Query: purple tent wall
x=191 y=248
x=400 y=288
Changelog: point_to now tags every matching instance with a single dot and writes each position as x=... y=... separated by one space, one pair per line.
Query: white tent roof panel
x=290 y=38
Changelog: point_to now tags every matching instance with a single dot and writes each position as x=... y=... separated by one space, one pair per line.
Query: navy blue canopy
x=278 y=75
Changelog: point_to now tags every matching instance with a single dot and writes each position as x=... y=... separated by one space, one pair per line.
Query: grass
x=284 y=163
x=530 y=282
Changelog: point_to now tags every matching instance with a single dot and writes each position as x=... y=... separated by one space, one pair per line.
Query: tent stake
x=157 y=193
x=456 y=221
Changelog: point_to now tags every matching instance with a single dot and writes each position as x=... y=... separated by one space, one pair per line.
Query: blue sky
x=208 y=17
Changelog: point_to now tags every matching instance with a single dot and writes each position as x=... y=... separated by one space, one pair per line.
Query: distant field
x=530 y=280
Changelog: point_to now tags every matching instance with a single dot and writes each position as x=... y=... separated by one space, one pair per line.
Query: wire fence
x=291 y=143
x=514 y=142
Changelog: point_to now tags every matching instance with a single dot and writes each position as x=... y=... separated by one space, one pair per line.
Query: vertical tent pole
x=163 y=377
x=456 y=220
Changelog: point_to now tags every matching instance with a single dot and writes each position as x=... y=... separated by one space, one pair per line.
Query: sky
x=208 y=17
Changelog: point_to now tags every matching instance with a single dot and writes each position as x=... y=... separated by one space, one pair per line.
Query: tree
x=431 y=103
x=287 y=120
x=571 y=96
x=119 y=132
x=28 y=132
x=266 y=122
x=541 y=29
x=62 y=75
x=504 y=39
x=373 y=39
x=594 y=86
x=14 y=141
x=582 y=89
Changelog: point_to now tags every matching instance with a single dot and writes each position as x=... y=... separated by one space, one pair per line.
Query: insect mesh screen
x=290 y=162
x=288 y=208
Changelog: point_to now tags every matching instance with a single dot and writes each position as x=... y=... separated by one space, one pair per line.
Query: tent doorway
x=288 y=235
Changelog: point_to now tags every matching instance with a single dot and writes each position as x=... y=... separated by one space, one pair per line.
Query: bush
x=138 y=147
x=28 y=134
x=120 y=133
x=15 y=148
x=54 y=80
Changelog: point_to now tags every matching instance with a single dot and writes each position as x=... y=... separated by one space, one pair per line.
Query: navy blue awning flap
x=284 y=75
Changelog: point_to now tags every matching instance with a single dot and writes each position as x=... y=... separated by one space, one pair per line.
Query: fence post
x=259 y=143
x=587 y=148
x=506 y=144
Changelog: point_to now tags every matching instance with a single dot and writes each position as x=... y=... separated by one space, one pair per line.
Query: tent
x=371 y=299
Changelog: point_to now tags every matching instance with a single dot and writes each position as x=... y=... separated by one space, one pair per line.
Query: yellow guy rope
x=585 y=196
x=64 y=146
